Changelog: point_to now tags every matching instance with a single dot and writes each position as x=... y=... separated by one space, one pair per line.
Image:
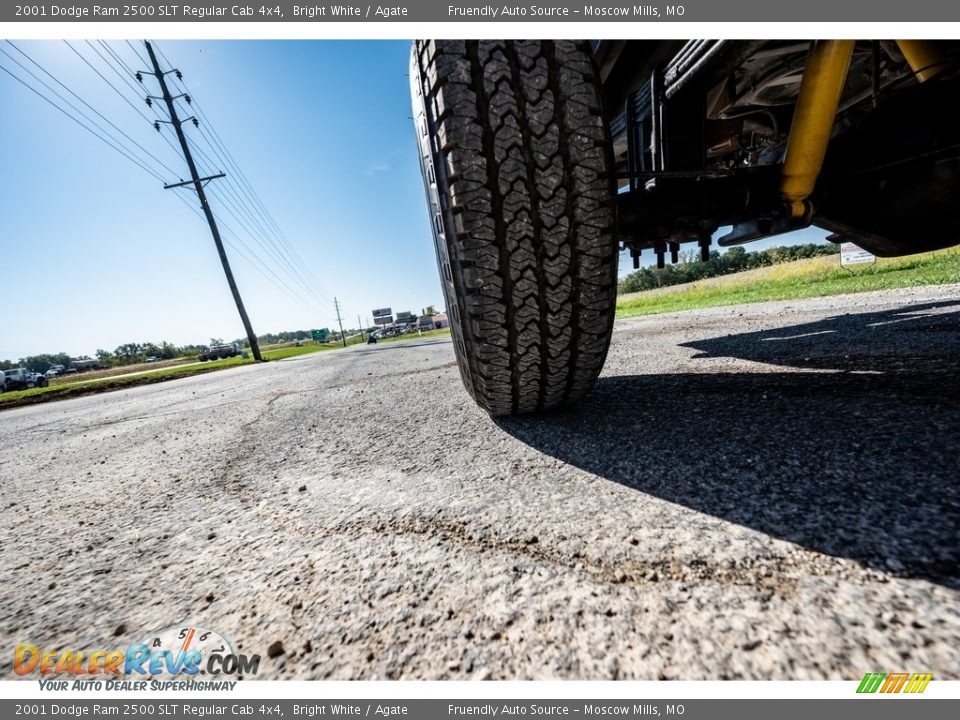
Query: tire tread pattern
x=516 y=149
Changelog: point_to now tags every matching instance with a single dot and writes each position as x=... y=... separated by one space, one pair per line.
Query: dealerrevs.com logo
x=185 y=652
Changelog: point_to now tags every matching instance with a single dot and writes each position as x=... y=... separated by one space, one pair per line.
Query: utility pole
x=343 y=338
x=198 y=185
x=360 y=325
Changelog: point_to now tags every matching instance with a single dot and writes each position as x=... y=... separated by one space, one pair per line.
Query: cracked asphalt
x=762 y=491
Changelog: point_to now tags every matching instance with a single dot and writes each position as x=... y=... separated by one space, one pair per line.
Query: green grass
x=294 y=351
x=89 y=387
x=414 y=336
x=105 y=384
x=816 y=277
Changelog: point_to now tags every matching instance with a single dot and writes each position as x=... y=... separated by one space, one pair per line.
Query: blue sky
x=96 y=253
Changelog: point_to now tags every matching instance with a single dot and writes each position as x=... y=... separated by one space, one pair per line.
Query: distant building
x=440 y=320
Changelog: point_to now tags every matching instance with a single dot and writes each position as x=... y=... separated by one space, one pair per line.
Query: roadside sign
x=851 y=254
x=405 y=317
x=383 y=320
x=382 y=312
x=319 y=335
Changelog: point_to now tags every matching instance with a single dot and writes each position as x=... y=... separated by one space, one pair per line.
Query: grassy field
x=816 y=277
x=415 y=336
x=287 y=351
x=88 y=387
x=119 y=370
x=145 y=374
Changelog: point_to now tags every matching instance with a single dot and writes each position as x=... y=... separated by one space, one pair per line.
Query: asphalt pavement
x=761 y=491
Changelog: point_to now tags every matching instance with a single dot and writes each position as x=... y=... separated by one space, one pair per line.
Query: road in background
x=763 y=491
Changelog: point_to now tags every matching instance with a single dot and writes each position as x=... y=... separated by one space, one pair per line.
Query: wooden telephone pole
x=198 y=185
x=343 y=338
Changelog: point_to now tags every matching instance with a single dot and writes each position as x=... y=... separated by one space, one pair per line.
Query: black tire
x=518 y=168
x=42 y=382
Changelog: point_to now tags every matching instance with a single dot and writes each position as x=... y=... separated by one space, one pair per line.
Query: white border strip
x=383 y=690
x=541 y=30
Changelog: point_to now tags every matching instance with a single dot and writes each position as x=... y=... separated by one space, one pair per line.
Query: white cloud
x=375 y=168
x=381 y=165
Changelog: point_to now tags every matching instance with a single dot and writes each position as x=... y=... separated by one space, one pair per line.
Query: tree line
x=126 y=354
x=736 y=259
x=137 y=352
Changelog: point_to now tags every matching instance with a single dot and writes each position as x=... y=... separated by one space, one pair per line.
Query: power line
x=120 y=61
x=246 y=189
x=239 y=210
x=234 y=210
x=114 y=143
x=118 y=148
x=209 y=133
x=238 y=207
x=93 y=109
x=267 y=271
x=137 y=92
x=122 y=96
x=198 y=184
x=251 y=193
x=234 y=205
x=139 y=56
x=252 y=260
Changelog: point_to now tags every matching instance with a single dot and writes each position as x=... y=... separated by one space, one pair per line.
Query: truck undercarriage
x=713 y=133
x=542 y=159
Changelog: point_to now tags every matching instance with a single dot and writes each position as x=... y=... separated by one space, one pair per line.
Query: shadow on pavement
x=894 y=340
x=862 y=463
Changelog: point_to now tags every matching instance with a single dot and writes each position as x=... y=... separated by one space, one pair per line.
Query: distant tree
x=733 y=260
x=168 y=351
x=42 y=363
x=128 y=353
x=148 y=349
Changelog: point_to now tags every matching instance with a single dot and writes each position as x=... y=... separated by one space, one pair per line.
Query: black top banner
x=457 y=11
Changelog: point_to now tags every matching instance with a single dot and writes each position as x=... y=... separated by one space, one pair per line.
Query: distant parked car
x=220 y=351
x=55 y=370
x=22 y=379
x=372 y=340
x=84 y=364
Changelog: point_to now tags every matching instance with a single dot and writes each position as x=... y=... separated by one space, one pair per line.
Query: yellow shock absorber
x=823 y=79
x=924 y=58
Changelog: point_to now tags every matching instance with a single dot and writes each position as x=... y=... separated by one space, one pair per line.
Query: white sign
x=382 y=312
x=851 y=254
